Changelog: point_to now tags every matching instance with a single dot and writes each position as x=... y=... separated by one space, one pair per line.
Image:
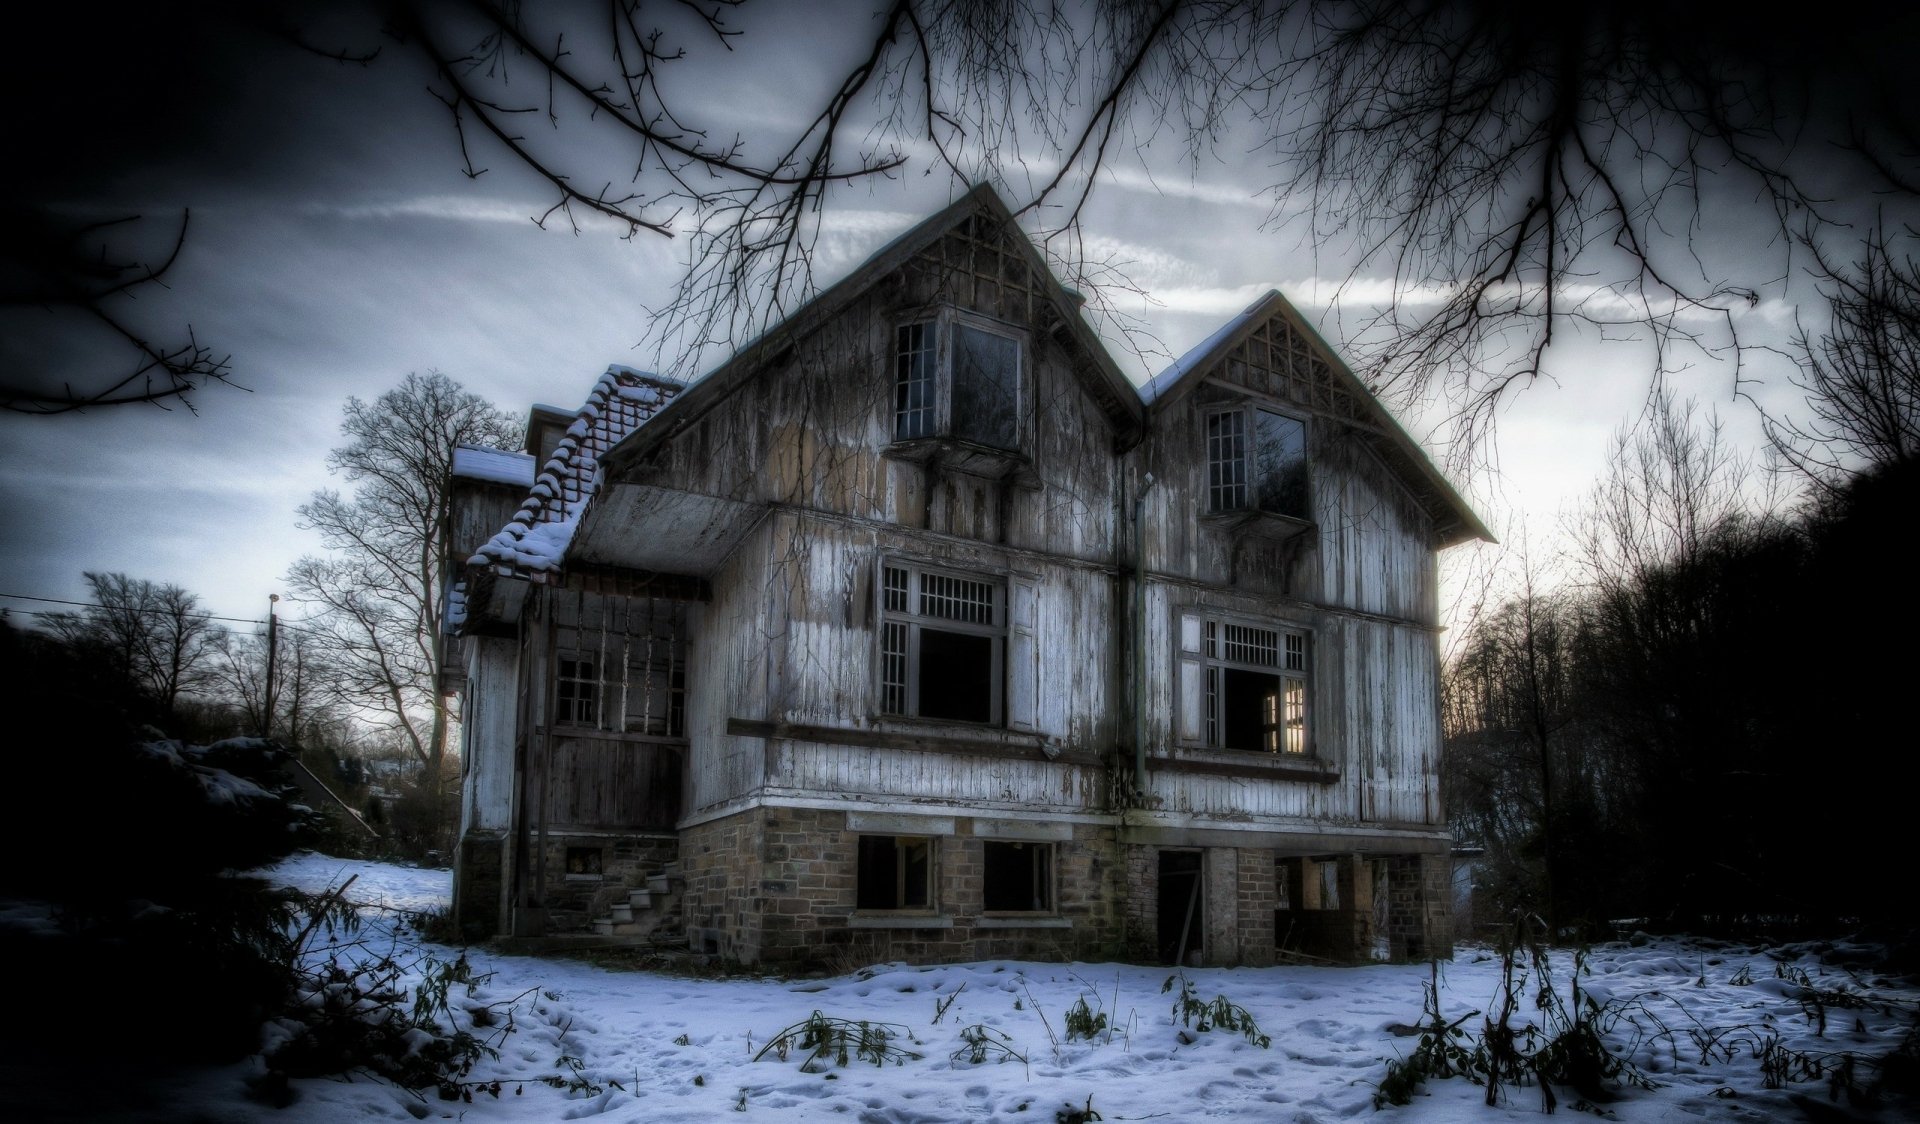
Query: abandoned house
x=916 y=631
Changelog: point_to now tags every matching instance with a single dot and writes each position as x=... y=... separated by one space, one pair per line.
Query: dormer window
x=1257 y=462
x=957 y=377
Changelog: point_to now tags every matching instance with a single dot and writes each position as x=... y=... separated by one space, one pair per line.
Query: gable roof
x=1114 y=391
x=534 y=542
x=1343 y=397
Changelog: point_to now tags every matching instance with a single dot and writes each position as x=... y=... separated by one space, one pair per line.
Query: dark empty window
x=1019 y=877
x=895 y=872
x=1256 y=688
x=1257 y=461
x=959 y=379
x=942 y=639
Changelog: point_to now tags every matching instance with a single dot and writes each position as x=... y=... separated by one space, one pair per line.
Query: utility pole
x=273 y=650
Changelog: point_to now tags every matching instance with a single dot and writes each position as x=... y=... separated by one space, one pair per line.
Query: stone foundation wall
x=778 y=886
x=479 y=878
x=1419 y=907
x=1257 y=897
x=573 y=900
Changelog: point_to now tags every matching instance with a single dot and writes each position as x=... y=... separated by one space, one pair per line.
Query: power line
x=128 y=609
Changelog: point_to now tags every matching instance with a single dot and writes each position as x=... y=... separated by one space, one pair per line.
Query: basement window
x=942 y=644
x=1019 y=878
x=895 y=872
x=960 y=377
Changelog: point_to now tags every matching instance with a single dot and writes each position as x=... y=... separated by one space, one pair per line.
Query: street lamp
x=273 y=650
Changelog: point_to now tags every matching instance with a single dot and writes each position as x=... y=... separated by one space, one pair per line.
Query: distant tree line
x=344 y=676
x=1704 y=727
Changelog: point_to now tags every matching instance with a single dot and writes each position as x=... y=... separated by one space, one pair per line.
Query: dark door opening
x=1182 y=912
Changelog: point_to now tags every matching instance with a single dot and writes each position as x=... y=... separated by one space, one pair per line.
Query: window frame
x=945 y=322
x=1048 y=881
x=588 y=691
x=607 y=699
x=914 y=623
x=1242 y=462
x=900 y=873
x=1204 y=643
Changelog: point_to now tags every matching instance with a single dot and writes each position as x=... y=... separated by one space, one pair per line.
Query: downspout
x=1140 y=638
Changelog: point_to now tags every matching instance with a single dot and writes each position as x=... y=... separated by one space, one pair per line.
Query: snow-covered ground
x=665 y=1048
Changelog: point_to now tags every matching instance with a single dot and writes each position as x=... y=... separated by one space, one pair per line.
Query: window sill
x=1245 y=763
x=898 y=921
x=955 y=455
x=1023 y=923
x=1255 y=524
x=924 y=734
x=586 y=878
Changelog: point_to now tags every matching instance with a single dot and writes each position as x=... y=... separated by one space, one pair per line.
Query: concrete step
x=640 y=899
x=621 y=912
x=660 y=883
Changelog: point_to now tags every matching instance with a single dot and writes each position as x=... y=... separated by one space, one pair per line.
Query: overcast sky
x=335 y=246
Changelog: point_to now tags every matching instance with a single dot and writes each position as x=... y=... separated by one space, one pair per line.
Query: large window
x=1244 y=686
x=894 y=872
x=1018 y=877
x=591 y=690
x=1257 y=461
x=942 y=644
x=957 y=378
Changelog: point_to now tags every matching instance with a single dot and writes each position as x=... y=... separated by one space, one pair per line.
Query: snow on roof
x=535 y=540
x=498 y=466
x=1165 y=380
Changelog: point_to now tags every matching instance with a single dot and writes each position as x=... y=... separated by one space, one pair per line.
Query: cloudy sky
x=335 y=246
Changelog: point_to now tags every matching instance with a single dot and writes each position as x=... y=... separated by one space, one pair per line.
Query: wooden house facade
x=916 y=631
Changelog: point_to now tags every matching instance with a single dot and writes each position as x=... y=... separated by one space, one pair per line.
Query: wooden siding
x=1371 y=548
x=487 y=733
x=1373 y=720
x=613 y=783
x=810 y=432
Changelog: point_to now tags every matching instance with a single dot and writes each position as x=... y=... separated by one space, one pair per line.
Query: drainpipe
x=1140 y=637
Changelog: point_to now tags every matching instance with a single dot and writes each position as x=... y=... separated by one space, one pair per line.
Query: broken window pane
x=894 y=872
x=1279 y=475
x=1019 y=878
x=956 y=676
x=986 y=387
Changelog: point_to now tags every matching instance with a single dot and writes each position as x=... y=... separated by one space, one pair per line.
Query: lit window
x=894 y=872
x=1257 y=461
x=1019 y=878
x=942 y=644
x=955 y=378
x=1256 y=688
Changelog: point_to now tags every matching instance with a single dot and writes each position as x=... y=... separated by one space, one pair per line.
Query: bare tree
x=76 y=271
x=1861 y=376
x=1516 y=172
x=154 y=636
x=378 y=610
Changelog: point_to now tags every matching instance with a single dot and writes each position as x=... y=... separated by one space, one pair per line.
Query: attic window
x=1257 y=462
x=957 y=377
